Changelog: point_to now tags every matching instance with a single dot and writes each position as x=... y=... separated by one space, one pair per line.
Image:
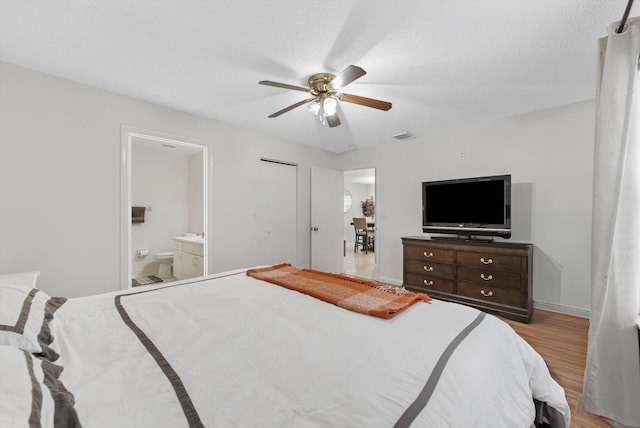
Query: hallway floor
x=360 y=264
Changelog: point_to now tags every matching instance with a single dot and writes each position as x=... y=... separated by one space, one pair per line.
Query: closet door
x=278 y=228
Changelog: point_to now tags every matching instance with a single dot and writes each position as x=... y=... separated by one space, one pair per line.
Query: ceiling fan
x=325 y=89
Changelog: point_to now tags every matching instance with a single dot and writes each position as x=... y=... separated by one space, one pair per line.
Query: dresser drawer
x=426 y=283
x=490 y=294
x=431 y=269
x=490 y=277
x=493 y=261
x=433 y=254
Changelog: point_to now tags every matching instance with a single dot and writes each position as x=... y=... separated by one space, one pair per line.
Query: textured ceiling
x=442 y=63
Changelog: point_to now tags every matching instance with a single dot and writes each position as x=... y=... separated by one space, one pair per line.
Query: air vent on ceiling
x=404 y=136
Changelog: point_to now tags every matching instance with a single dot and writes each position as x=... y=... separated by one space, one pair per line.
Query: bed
x=231 y=350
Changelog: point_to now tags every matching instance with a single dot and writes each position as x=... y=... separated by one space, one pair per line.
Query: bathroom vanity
x=188 y=257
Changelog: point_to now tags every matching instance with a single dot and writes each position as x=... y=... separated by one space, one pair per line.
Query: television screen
x=469 y=206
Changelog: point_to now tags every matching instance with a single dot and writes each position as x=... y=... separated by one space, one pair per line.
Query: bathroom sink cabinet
x=188 y=259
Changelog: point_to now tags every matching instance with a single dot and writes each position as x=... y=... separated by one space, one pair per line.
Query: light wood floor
x=357 y=263
x=562 y=341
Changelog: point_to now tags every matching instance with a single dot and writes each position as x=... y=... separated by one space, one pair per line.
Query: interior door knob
x=315 y=229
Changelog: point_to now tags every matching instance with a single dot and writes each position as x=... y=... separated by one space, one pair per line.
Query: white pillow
x=22 y=279
x=31 y=393
x=25 y=313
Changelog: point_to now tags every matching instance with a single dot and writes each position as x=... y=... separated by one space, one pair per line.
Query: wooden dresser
x=491 y=276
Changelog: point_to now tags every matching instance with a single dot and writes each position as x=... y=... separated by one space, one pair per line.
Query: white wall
x=60 y=172
x=550 y=157
x=160 y=180
x=60 y=184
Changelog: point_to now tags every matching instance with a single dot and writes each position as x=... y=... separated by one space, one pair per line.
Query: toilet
x=166 y=262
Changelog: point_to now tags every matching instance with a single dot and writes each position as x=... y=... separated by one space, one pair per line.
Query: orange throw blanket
x=348 y=293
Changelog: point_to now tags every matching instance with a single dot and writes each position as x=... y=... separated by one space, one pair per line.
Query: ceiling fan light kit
x=324 y=87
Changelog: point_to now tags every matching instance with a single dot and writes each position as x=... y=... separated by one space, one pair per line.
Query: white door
x=327 y=206
x=278 y=228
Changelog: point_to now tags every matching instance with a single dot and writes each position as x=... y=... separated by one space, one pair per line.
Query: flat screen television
x=467 y=207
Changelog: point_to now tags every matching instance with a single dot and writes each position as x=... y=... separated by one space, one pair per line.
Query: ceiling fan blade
x=347 y=76
x=291 y=107
x=333 y=120
x=283 y=85
x=367 y=102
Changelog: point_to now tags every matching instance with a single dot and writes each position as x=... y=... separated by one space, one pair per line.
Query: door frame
x=126 y=251
x=375 y=197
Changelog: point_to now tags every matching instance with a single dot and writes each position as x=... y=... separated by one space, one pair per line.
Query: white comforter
x=240 y=352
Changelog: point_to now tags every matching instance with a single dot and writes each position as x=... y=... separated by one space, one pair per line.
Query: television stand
x=463 y=238
x=491 y=276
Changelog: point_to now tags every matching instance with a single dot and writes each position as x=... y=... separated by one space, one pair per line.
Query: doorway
x=359 y=201
x=164 y=209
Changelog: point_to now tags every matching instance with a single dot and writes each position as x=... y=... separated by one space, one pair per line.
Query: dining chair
x=364 y=236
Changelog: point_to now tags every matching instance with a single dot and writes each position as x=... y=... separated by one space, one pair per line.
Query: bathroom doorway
x=165 y=211
x=359 y=201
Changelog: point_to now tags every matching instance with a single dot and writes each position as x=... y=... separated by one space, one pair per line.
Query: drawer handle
x=427 y=282
x=486 y=278
x=485 y=262
x=427 y=255
x=428 y=268
x=489 y=294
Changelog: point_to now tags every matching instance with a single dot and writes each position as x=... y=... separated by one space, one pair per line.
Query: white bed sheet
x=253 y=354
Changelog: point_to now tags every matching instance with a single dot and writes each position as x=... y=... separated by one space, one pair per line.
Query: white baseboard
x=568 y=310
x=389 y=281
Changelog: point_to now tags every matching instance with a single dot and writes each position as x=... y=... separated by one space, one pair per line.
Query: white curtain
x=612 y=374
